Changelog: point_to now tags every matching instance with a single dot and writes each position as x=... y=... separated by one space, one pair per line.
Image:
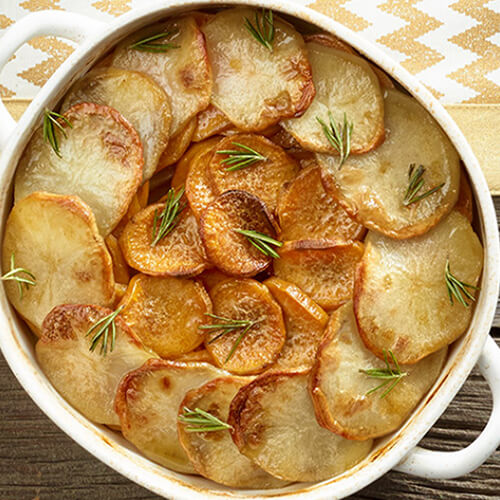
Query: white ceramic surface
x=397 y=451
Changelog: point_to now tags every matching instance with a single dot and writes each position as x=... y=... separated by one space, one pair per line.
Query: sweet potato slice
x=401 y=297
x=274 y=425
x=347 y=400
x=465 y=202
x=307 y=211
x=123 y=90
x=147 y=403
x=257 y=339
x=323 y=269
x=100 y=160
x=87 y=379
x=373 y=187
x=183 y=71
x=212 y=277
x=214 y=454
x=254 y=86
x=56 y=239
x=210 y=121
x=166 y=313
x=177 y=146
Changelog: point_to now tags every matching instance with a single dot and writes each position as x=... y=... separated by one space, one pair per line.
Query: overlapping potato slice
x=307 y=211
x=212 y=277
x=345 y=83
x=274 y=425
x=147 y=403
x=88 y=379
x=138 y=98
x=210 y=121
x=259 y=331
x=254 y=86
x=401 y=296
x=56 y=239
x=166 y=313
x=200 y=355
x=177 y=145
x=373 y=187
x=323 y=269
x=214 y=454
x=341 y=392
x=100 y=160
x=465 y=202
x=263 y=178
x=183 y=71
x=232 y=252
x=120 y=267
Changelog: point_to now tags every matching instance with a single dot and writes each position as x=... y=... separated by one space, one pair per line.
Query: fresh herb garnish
x=151 y=44
x=458 y=289
x=338 y=135
x=263 y=30
x=20 y=275
x=416 y=182
x=102 y=329
x=50 y=124
x=261 y=242
x=165 y=221
x=199 y=420
x=238 y=159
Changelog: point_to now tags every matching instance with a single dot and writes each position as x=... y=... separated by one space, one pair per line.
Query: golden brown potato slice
x=147 y=403
x=307 y=211
x=401 y=295
x=347 y=400
x=120 y=267
x=214 y=454
x=373 y=187
x=274 y=425
x=210 y=121
x=212 y=277
x=123 y=90
x=183 y=70
x=268 y=167
x=253 y=86
x=251 y=332
x=100 y=160
x=177 y=146
x=56 y=239
x=465 y=202
x=232 y=252
x=166 y=313
x=88 y=379
x=200 y=355
x=323 y=269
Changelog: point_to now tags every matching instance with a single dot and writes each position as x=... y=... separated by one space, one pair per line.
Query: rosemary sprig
x=416 y=182
x=50 y=124
x=390 y=376
x=238 y=159
x=261 y=242
x=151 y=44
x=458 y=289
x=263 y=31
x=199 y=420
x=338 y=135
x=20 y=275
x=165 y=221
x=102 y=330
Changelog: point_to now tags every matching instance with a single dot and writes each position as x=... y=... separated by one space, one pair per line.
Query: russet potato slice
x=166 y=313
x=177 y=145
x=274 y=425
x=56 y=238
x=323 y=269
x=340 y=391
x=253 y=86
x=401 y=298
x=372 y=187
x=147 y=403
x=101 y=162
x=88 y=380
x=138 y=98
x=210 y=121
x=184 y=72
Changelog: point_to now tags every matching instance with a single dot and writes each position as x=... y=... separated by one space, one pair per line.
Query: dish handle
x=451 y=464
x=68 y=25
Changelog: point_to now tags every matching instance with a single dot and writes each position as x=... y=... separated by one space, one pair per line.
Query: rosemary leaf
x=458 y=289
x=51 y=122
x=20 y=275
x=338 y=135
x=416 y=183
x=238 y=159
x=167 y=219
x=151 y=44
x=263 y=30
x=199 y=420
x=262 y=242
x=101 y=331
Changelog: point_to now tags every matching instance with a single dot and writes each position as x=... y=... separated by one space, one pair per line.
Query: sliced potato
x=465 y=202
x=166 y=313
x=177 y=145
x=305 y=322
x=214 y=454
x=250 y=348
x=229 y=250
x=184 y=72
x=323 y=269
x=307 y=211
x=56 y=238
x=147 y=403
x=120 y=289
x=100 y=161
x=138 y=98
x=341 y=393
x=200 y=355
x=263 y=178
x=253 y=86
x=120 y=267
x=372 y=187
x=87 y=379
x=212 y=277
x=401 y=297
x=274 y=425
x=210 y=121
